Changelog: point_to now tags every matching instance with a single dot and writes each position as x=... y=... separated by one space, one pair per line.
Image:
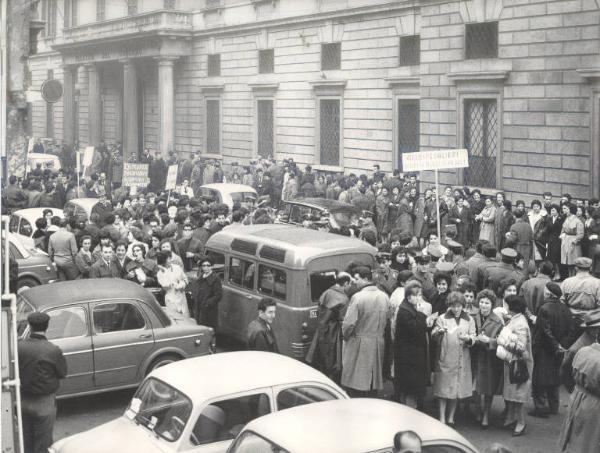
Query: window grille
x=481 y=40
x=100 y=9
x=213 y=125
x=132 y=7
x=266 y=61
x=331 y=56
x=329 y=133
x=214 y=65
x=408 y=127
x=481 y=141
x=265 y=128
x=410 y=50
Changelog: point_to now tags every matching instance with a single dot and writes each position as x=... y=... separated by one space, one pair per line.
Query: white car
x=80 y=207
x=201 y=404
x=229 y=194
x=360 y=425
x=22 y=222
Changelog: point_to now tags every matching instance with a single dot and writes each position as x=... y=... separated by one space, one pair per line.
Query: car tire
x=162 y=360
x=26 y=283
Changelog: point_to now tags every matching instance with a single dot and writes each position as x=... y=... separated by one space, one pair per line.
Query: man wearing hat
x=41 y=366
x=551 y=335
x=502 y=270
x=582 y=291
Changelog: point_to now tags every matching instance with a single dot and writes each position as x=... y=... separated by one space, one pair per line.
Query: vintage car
x=332 y=214
x=359 y=425
x=35 y=266
x=229 y=194
x=80 y=207
x=112 y=332
x=50 y=161
x=201 y=404
x=22 y=222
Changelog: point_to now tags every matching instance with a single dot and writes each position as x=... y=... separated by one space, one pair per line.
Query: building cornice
x=212 y=89
x=590 y=74
x=497 y=76
x=403 y=81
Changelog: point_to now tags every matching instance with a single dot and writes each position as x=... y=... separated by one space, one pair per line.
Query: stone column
x=69 y=76
x=166 y=99
x=95 y=105
x=130 y=110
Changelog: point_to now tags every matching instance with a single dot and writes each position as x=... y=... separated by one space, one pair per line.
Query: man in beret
x=551 y=337
x=582 y=291
x=41 y=366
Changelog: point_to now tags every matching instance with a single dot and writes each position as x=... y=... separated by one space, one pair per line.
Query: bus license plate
x=313 y=313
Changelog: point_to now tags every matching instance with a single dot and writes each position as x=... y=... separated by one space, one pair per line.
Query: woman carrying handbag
x=514 y=348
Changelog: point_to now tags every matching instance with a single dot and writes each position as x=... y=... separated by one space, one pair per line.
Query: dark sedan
x=112 y=332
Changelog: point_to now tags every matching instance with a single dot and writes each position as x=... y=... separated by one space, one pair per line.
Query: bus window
x=272 y=282
x=241 y=273
x=320 y=282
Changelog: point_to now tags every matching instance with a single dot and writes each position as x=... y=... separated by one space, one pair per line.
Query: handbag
x=517 y=371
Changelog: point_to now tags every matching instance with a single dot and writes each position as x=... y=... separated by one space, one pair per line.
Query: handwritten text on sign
x=135 y=175
x=435 y=160
x=171 y=177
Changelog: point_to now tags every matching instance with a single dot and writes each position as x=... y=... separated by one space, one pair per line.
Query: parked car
x=80 y=207
x=294 y=266
x=229 y=194
x=22 y=221
x=35 y=266
x=50 y=161
x=359 y=425
x=200 y=404
x=332 y=214
x=113 y=332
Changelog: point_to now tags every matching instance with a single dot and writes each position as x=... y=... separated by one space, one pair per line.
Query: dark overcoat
x=489 y=369
x=411 y=368
x=554 y=229
x=206 y=295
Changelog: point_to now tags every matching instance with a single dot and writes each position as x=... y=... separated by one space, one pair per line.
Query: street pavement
x=80 y=414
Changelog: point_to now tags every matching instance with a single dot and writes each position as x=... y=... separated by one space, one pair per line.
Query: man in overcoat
x=259 y=334
x=521 y=235
x=206 y=294
x=551 y=335
x=363 y=332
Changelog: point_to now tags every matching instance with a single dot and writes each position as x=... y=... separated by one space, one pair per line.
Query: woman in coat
x=418 y=214
x=411 y=368
x=404 y=221
x=498 y=235
x=571 y=236
x=393 y=208
x=515 y=342
x=460 y=216
x=581 y=431
x=487 y=219
x=476 y=205
x=553 y=229
x=173 y=281
x=452 y=379
x=140 y=269
x=488 y=368
x=537 y=221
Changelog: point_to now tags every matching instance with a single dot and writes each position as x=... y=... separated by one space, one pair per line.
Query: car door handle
x=145 y=335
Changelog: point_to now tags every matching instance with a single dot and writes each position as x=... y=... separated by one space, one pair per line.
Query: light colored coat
x=363 y=331
x=488 y=220
x=519 y=342
x=452 y=377
x=571 y=236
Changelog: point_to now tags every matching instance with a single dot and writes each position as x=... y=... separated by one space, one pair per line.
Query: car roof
x=355 y=425
x=42 y=156
x=324 y=203
x=32 y=214
x=226 y=373
x=85 y=203
x=64 y=293
x=229 y=187
x=300 y=244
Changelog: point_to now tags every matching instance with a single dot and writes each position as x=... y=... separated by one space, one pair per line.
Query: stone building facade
x=339 y=84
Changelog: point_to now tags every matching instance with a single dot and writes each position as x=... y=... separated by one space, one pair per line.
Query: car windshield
x=24 y=308
x=160 y=408
x=344 y=218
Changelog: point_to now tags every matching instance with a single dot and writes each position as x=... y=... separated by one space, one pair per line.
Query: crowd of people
x=499 y=305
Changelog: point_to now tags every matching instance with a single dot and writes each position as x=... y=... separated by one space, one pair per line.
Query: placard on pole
x=435 y=160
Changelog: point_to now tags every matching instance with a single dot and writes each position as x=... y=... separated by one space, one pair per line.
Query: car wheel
x=162 y=361
x=26 y=283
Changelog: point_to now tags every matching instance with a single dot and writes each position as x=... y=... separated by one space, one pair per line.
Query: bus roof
x=286 y=244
